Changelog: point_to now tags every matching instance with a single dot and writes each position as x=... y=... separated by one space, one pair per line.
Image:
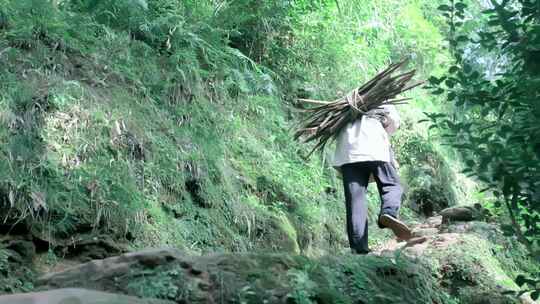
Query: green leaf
x=462 y=38
x=520 y=280
x=535 y=295
x=494 y=22
x=444 y=7
x=453 y=69
x=460 y=6
x=434 y=80
x=438 y=91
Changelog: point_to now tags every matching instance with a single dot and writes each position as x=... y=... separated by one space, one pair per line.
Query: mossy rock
x=255 y=278
x=468 y=269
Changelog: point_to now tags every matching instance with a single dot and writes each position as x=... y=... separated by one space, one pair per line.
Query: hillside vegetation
x=148 y=122
x=129 y=124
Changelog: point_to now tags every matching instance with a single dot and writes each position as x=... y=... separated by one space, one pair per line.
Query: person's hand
x=381 y=115
x=384 y=121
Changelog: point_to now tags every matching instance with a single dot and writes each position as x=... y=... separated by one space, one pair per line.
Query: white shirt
x=366 y=139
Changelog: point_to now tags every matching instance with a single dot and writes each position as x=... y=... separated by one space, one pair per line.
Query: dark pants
x=355 y=182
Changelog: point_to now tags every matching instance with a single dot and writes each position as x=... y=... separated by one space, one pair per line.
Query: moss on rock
x=467 y=267
x=256 y=278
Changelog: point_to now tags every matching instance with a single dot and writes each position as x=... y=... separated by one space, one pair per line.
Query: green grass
x=189 y=143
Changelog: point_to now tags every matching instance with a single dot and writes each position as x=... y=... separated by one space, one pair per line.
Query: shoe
x=401 y=230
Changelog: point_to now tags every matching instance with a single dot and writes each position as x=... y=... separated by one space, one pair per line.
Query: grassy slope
x=110 y=135
x=98 y=135
x=107 y=135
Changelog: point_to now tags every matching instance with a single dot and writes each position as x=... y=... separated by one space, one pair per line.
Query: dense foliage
x=80 y=80
x=493 y=93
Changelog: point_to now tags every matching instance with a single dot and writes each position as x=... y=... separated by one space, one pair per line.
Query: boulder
x=102 y=274
x=457 y=214
x=250 y=278
x=459 y=265
x=75 y=296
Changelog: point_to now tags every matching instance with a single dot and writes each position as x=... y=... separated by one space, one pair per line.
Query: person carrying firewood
x=363 y=152
x=361 y=123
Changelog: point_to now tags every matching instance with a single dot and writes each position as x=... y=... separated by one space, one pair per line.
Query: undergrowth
x=14 y=278
x=168 y=123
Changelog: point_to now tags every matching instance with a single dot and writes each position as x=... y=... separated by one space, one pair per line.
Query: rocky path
x=431 y=234
x=455 y=261
x=449 y=232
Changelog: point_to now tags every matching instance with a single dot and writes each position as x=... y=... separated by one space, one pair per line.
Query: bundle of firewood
x=326 y=119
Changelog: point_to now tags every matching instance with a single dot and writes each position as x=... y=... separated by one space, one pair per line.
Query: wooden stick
x=326 y=120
